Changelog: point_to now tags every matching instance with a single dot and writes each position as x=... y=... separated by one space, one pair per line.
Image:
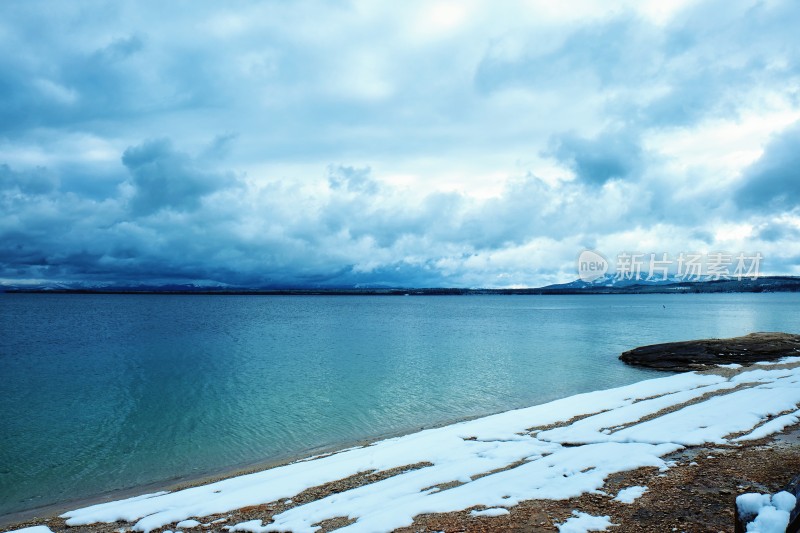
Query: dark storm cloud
x=91 y=181
x=393 y=275
x=36 y=181
x=773 y=182
x=166 y=178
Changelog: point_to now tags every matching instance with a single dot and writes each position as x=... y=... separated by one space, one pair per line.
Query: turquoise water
x=107 y=392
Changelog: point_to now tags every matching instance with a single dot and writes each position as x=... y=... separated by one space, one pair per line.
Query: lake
x=106 y=392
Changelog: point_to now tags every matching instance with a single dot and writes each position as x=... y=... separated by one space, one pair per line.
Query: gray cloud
x=610 y=155
x=773 y=182
x=597 y=54
x=220 y=147
x=36 y=181
x=62 y=86
x=351 y=179
x=166 y=178
x=775 y=233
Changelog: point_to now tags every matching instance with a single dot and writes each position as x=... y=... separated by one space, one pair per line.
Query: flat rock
x=706 y=353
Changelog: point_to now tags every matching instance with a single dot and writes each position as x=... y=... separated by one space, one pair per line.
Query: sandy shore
x=696 y=493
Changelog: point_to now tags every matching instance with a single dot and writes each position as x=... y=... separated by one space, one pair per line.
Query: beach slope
x=489 y=469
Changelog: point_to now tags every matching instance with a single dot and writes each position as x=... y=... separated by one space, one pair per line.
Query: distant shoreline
x=763 y=284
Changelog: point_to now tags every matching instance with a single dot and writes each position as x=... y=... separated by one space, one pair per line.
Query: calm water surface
x=106 y=392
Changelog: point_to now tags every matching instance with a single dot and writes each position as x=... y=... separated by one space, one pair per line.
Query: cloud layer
x=361 y=143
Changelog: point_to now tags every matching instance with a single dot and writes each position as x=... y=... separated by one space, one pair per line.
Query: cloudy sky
x=421 y=143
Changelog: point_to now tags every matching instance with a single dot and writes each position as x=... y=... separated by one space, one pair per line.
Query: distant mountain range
x=612 y=285
x=609 y=280
x=604 y=285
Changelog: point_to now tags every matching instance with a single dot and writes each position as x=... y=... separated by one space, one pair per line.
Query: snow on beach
x=583 y=522
x=558 y=450
x=630 y=494
x=765 y=513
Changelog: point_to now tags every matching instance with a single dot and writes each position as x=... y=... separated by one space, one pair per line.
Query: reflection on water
x=110 y=391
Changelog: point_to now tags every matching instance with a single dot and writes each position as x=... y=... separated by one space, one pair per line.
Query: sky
x=376 y=143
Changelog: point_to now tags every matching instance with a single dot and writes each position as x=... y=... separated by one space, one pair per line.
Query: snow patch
x=784 y=501
x=751 y=503
x=630 y=494
x=495 y=511
x=765 y=513
x=583 y=522
x=253 y=526
x=769 y=520
x=773 y=426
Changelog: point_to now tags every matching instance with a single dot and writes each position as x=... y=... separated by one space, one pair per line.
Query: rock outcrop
x=703 y=354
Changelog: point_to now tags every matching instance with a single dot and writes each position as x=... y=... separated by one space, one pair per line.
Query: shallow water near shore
x=107 y=392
